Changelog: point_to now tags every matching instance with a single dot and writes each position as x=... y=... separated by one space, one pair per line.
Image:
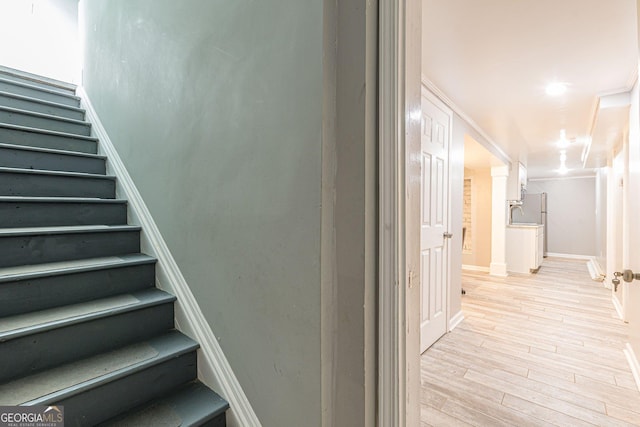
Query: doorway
x=46 y=28
x=477 y=205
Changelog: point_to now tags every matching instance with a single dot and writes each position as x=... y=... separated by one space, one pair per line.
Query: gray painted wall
x=571 y=217
x=249 y=129
x=216 y=110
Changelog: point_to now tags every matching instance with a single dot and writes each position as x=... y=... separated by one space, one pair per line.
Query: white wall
x=456 y=175
x=41 y=37
x=571 y=214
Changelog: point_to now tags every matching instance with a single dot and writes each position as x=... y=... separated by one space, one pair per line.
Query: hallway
x=545 y=349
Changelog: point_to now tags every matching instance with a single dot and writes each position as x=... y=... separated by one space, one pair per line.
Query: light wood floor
x=545 y=349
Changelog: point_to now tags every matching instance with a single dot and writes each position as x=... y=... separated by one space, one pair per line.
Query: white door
x=615 y=232
x=436 y=130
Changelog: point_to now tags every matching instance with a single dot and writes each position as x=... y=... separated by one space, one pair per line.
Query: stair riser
x=54 y=142
x=25 y=159
x=194 y=404
x=39 y=94
x=29 y=354
x=23 y=296
x=36 y=249
x=99 y=404
x=219 y=421
x=34 y=214
x=54 y=110
x=16 y=78
x=25 y=184
x=22 y=119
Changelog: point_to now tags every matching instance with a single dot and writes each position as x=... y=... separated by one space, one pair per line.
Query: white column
x=498 y=266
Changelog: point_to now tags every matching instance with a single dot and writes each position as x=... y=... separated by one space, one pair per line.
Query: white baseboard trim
x=569 y=256
x=498 y=269
x=633 y=363
x=617 y=306
x=213 y=367
x=455 y=320
x=475 y=268
x=594 y=270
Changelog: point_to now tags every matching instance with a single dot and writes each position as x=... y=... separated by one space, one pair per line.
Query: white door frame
x=400 y=37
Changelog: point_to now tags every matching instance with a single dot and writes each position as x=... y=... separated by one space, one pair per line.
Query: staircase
x=81 y=322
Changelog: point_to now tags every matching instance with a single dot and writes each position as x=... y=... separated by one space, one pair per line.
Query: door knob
x=627 y=275
x=447 y=235
x=630 y=276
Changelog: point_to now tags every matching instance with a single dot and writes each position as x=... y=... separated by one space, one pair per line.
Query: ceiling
x=494 y=59
x=478 y=157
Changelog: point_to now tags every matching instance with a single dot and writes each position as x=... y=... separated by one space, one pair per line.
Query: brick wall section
x=466 y=215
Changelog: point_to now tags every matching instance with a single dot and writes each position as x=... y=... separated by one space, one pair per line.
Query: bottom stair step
x=192 y=405
x=38 y=341
x=98 y=388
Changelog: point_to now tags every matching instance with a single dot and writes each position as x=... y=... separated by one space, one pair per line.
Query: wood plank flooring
x=539 y=350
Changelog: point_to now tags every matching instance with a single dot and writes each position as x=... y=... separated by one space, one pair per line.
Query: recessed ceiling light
x=562 y=142
x=556 y=88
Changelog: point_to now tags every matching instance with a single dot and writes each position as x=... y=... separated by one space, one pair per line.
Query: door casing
x=400 y=38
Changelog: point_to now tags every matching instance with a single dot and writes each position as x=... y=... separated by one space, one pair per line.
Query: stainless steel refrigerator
x=534 y=210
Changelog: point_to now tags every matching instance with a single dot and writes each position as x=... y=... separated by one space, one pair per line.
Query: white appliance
x=534 y=210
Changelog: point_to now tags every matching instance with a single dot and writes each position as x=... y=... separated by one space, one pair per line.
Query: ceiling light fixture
x=563 y=163
x=562 y=142
x=556 y=88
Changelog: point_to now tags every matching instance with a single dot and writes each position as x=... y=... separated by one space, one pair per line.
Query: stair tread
x=4 y=70
x=190 y=405
x=43 y=115
x=41 y=101
x=49 y=199
x=38 y=88
x=189 y=402
x=49 y=132
x=51 y=150
x=66 y=229
x=56 y=173
x=25 y=272
x=82 y=375
x=21 y=325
